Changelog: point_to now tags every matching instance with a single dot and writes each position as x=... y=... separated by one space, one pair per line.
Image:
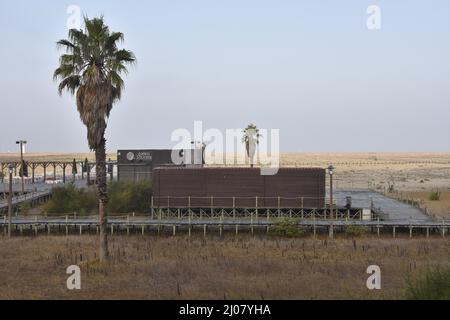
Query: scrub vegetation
x=124 y=197
x=227 y=267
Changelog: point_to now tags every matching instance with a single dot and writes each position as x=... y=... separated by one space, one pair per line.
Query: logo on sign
x=130 y=156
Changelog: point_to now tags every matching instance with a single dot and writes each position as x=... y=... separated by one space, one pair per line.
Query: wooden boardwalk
x=34 y=198
x=142 y=225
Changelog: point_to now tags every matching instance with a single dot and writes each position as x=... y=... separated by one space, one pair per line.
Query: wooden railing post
x=151 y=207
x=189 y=205
x=212 y=206
x=256 y=207
x=234 y=207
x=279 y=206
x=314 y=225
x=302 y=210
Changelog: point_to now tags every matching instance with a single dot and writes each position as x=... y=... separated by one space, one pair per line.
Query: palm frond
x=70 y=83
x=113 y=38
x=125 y=55
x=66 y=44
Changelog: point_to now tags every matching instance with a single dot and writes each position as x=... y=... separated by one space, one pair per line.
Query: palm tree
x=250 y=138
x=91 y=69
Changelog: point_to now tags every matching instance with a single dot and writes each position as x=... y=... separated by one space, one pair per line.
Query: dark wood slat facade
x=238 y=187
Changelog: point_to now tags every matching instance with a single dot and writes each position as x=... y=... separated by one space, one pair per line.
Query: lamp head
x=331 y=169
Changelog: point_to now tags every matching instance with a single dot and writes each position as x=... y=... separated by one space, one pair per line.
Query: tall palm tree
x=250 y=138
x=91 y=69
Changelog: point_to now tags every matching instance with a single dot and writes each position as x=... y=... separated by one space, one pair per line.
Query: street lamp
x=331 y=172
x=22 y=143
x=10 y=195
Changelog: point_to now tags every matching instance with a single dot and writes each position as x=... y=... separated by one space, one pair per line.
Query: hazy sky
x=309 y=68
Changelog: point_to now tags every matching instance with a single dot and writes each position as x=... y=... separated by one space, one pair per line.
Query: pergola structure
x=53 y=165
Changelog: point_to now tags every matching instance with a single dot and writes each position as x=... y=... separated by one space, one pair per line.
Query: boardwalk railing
x=33 y=198
x=142 y=225
x=237 y=202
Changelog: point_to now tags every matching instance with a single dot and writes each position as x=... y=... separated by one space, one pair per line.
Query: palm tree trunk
x=100 y=158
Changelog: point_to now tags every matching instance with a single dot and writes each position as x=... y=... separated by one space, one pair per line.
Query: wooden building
x=238 y=187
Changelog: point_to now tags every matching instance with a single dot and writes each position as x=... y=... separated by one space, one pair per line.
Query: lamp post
x=22 y=143
x=10 y=195
x=331 y=172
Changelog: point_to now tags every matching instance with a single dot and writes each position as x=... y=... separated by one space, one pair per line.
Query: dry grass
x=229 y=268
x=439 y=208
x=407 y=171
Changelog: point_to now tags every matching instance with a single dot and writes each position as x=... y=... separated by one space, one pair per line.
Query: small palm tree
x=250 y=138
x=91 y=69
